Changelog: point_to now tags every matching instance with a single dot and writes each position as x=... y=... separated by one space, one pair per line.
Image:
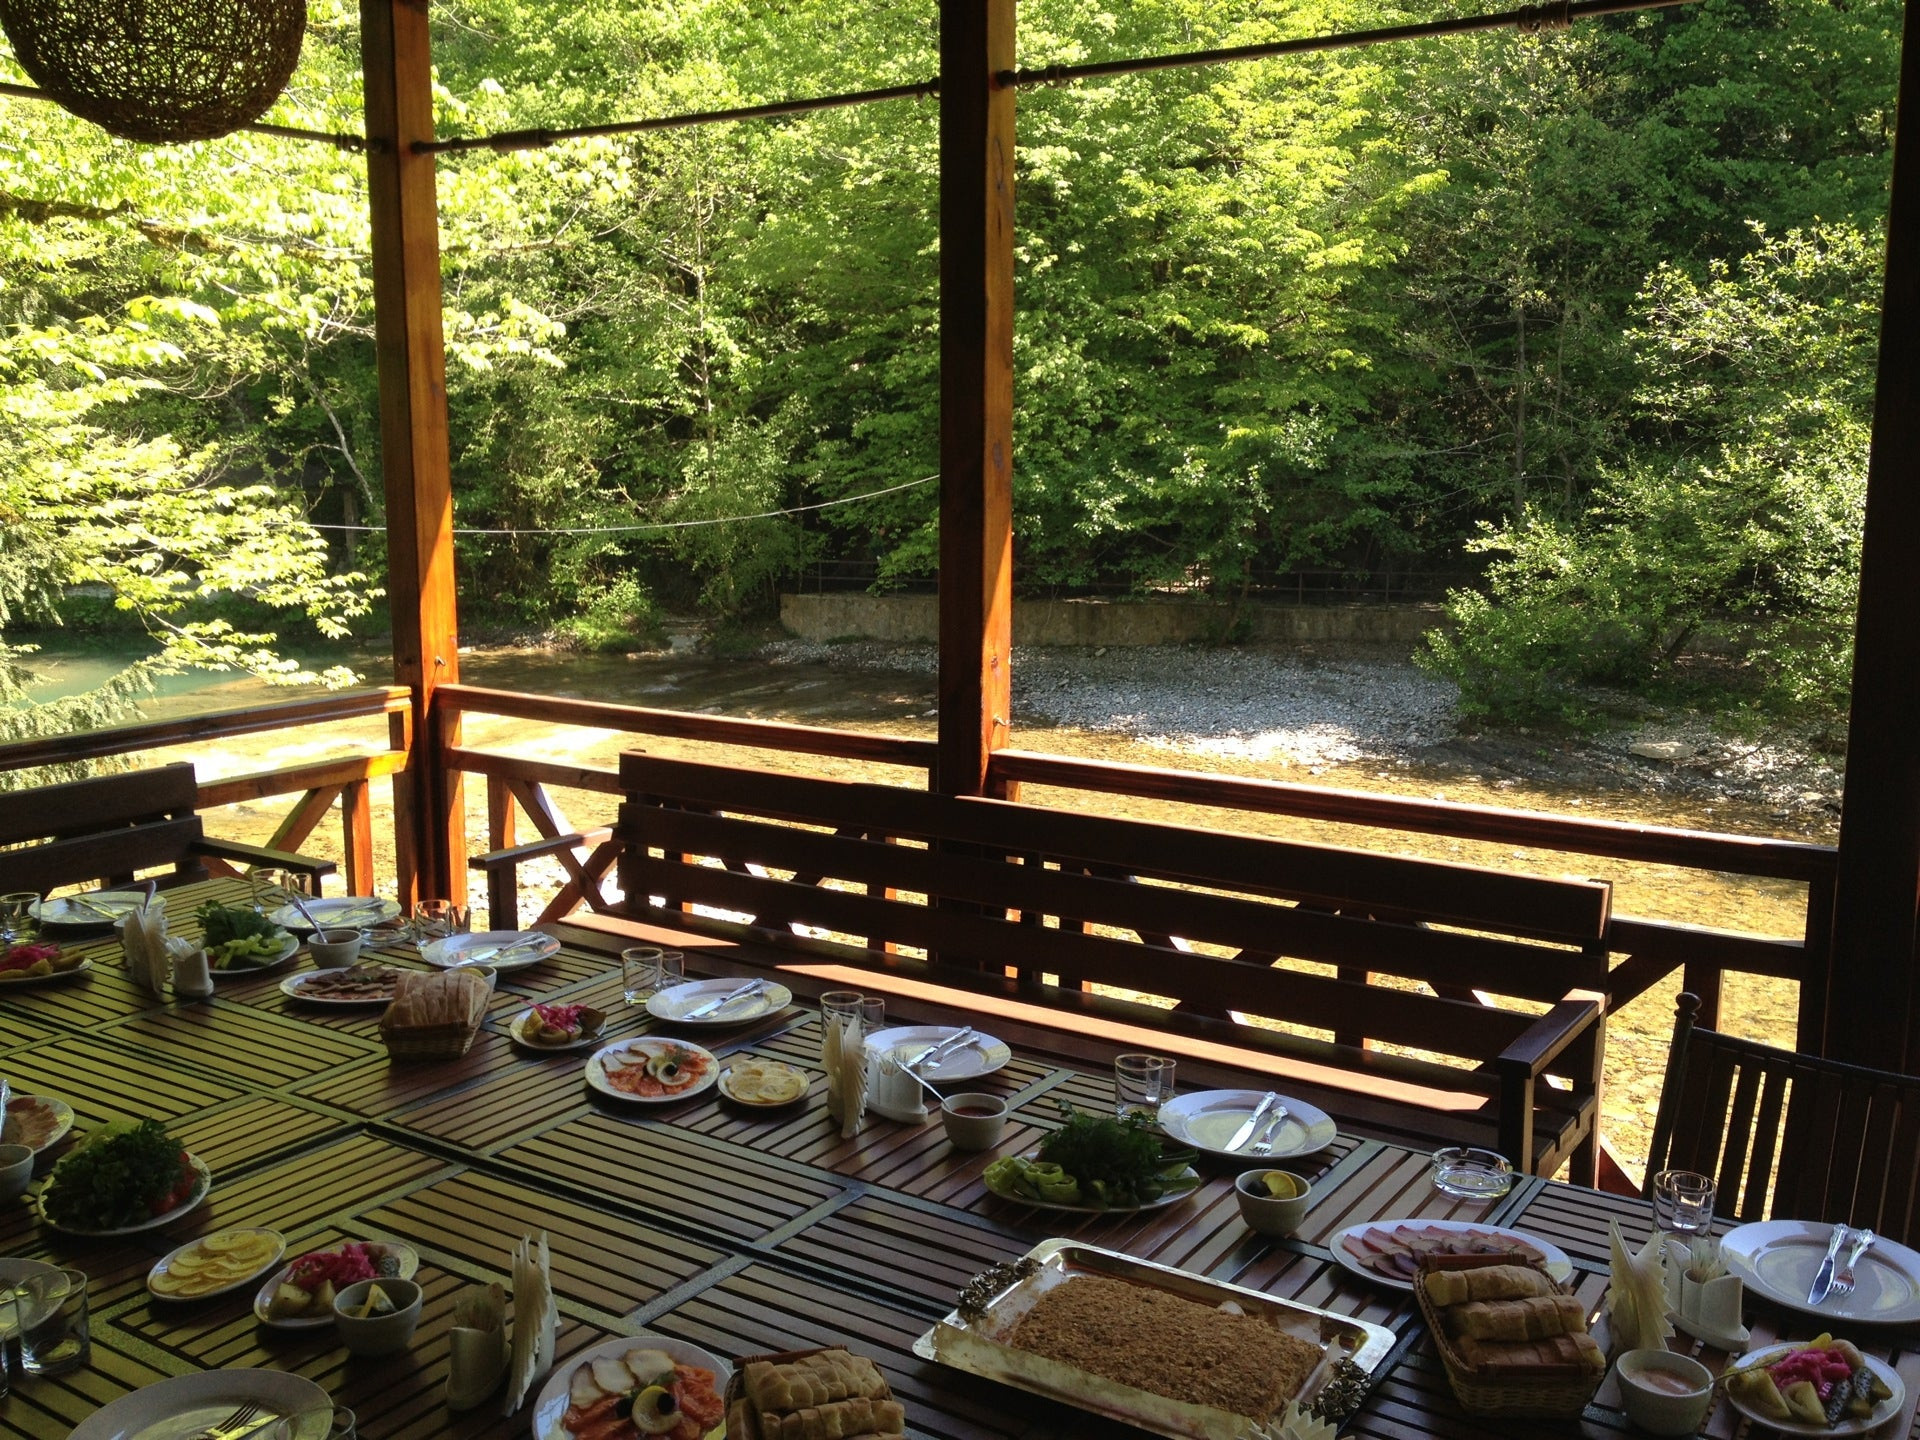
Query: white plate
x=162 y=1265
x=62 y=1118
x=452 y=952
x=65 y=914
x=981 y=1055
x=1777 y=1258
x=1208 y=1119
x=185 y=1207
x=342 y=912
x=405 y=1254
x=189 y=1405
x=552 y=1405
x=1882 y=1412
x=598 y=1061
x=674 y=1003
x=295 y=987
x=283 y=957
x=726 y=1089
x=1171 y=1198
x=27 y=981
x=525 y=1017
x=1559 y=1264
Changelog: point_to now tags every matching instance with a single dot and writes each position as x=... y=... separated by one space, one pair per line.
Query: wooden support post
x=429 y=813
x=976 y=389
x=356 y=823
x=1871 y=1016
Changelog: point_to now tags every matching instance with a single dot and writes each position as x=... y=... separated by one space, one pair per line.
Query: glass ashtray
x=1469 y=1174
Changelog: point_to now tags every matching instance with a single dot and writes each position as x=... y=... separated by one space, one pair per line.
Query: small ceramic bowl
x=1664 y=1393
x=1266 y=1212
x=974 y=1121
x=16 y=1170
x=377 y=1334
x=332 y=949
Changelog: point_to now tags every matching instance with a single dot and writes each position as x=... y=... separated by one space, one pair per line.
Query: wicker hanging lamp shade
x=159 y=70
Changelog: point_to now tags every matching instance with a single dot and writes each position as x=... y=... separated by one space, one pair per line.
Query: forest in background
x=1593 y=312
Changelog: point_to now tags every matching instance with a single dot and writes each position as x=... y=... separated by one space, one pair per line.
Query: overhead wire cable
x=640 y=529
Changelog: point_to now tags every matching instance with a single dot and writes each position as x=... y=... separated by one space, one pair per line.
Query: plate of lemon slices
x=217 y=1263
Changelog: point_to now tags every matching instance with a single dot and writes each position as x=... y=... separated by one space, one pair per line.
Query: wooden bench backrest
x=1100 y=899
x=104 y=829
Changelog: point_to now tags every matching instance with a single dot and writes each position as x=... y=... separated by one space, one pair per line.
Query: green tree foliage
x=1343 y=309
x=1737 y=509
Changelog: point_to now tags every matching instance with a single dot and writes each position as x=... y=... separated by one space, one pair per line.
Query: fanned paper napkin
x=143 y=939
x=536 y=1319
x=848 y=1083
x=1637 y=1295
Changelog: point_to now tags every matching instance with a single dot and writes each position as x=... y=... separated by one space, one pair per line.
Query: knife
x=939 y=1050
x=739 y=992
x=482 y=957
x=1252 y=1122
x=1823 y=1277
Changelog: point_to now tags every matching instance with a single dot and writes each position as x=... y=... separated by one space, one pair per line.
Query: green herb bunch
x=1116 y=1162
x=234 y=922
x=116 y=1177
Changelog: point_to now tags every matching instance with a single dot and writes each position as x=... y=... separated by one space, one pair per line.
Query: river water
x=902 y=701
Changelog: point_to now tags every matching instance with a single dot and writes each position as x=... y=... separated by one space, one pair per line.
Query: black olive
x=668 y=1404
x=623 y=1407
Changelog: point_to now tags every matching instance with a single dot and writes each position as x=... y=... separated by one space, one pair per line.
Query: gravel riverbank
x=1315 y=707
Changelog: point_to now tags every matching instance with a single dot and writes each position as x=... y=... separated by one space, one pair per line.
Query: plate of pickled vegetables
x=1823 y=1387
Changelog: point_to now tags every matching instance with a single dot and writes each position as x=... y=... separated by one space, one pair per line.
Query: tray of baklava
x=1173 y=1353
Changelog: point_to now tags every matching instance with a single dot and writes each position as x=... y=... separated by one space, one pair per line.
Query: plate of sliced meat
x=1389 y=1251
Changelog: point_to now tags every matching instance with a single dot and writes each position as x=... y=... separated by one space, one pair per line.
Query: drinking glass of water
x=15 y=907
x=1141 y=1085
x=1683 y=1203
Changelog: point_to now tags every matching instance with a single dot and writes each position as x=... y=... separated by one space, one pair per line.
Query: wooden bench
x=1382 y=955
x=109 y=829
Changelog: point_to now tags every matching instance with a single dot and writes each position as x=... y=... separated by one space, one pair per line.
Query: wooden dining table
x=744 y=1232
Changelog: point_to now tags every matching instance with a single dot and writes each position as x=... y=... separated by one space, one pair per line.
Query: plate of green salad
x=242 y=941
x=1096 y=1165
x=121 y=1179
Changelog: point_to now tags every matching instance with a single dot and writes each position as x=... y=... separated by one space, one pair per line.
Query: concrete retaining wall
x=914 y=619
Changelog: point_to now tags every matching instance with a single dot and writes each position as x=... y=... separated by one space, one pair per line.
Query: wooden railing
x=1646 y=950
x=588 y=855
x=319 y=784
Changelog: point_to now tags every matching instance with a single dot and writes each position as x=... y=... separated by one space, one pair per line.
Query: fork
x=235 y=1423
x=1843 y=1277
x=1264 y=1145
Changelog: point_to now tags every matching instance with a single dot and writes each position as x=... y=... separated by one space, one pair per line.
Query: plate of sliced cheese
x=763 y=1084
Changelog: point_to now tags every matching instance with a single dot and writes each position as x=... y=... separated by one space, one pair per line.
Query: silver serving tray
x=978 y=1346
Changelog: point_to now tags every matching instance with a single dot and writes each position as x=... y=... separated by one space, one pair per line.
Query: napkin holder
x=476 y=1359
x=1708 y=1310
x=893 y=1092
x=192 y=972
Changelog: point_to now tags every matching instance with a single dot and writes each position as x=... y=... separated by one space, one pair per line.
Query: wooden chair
x=111 y=828
x=1789 y=1135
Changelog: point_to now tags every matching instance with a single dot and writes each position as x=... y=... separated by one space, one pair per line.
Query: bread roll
x=1557 y=1355
x=1538 y=1317
x=1489 y=1282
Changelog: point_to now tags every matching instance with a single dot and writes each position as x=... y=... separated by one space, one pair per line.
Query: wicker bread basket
x=446 y=1041
x=742 y=1422
x=1556 y=1393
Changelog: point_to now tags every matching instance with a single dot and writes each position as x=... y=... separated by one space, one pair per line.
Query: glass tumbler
x=53 y=1322
x=1683 y=1203
x=15 y=907
x=836 y=1008
x=1141 y=1085
x=436 y=919
x=640 y=972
